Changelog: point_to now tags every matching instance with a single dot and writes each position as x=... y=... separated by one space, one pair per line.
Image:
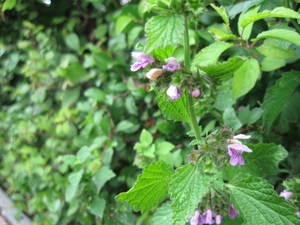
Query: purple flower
x=208 y=217
x=172 y=65
x=298 y=213
x=143 y=60
x=174 y=92
x=232 y=212
x=286 y=194
x=196 y=219
x=218 y=219
x=236 y=149
x=195 y=93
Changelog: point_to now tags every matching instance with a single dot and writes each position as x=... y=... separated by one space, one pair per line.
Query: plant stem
x=187 y=62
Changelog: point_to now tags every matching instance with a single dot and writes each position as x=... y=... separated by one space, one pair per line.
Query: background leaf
x=103 y=175
x=163 y=215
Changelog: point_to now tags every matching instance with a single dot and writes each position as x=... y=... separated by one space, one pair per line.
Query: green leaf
x=258 y=203
x=75 y=178
x=122 y=22
x=72 y=41
x=231 y=120
x=210 y=54
x=224 y=100
x=8 y=5
x=83 y=154
x=278 y=95
x=220 y=35
x=150 y=188
x=225 y=69
x=124 y=125
x=174 y=109
x=235 y=9
x=69 y=159
x=103 y=175
x=75 y=73
x=163 y=53
x=70 y=192
x=279 y=12
x=246 y=32
x=249 y=117
x=163 y=215
x=262 y=162
x=269 y=64
x=146 y=138
x=162 y=31
x=95 y=93
x=282 y=34
x=98 y=206
x=273 y=49
x=222 y=12
x=245 y=78
x=187 y=187
x=164 y=147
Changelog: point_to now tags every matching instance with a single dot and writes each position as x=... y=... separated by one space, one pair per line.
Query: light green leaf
x=83 y=154
x=72 y=41
x=163 y=215
x=235 y=9
x=150 y=188
x=269 y=64
x=75 y=177
x=122 y=22
x=220 y=35
x=124 y=125
x=224 y=100
x=209 y=55
x=146 y=138
x=245 y=78
x=103 y=175
x=231 y=120
x=98 y=206
x=133 y=34
x=69 y=159
x=278 y=95
x=249 y=117
x=95 y=93
x=261 y=162
x=258 y=203
x=222 y=12
x=174 y=109
x=272 y=48
x=164 y=147
x=8 y=5
x=187 y=187
x=163 y=53
x=70 y=192
x=225 y=69
x=162 y=31
x=246 y=32
x=282 y=34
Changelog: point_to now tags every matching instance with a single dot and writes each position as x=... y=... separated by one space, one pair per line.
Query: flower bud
x=153 y=74
x=174 y=92
x=195 y=93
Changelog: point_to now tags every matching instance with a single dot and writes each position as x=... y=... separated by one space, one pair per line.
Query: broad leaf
x=249 y=117
x=83 y=154
x=245 y=78
x=262 y=162
x=210 y=54
x=187 y=187
x=98 y=206
x=72 y=41
x=269 y=64
x=225 y=69
x=224 y=100
x=174 y=109
x=245 y=32
x=229 y=118
x=163 y=215
x=278 y=95
x=235 y=9
x=103 y=175
x=75 y=178
x=282 y=34
x=222 y=12
x=8 y=4
x=258 y=203
x=146 y=138
x=279 y=12
x=150 y=188
x=163 y=31
x=271 y=48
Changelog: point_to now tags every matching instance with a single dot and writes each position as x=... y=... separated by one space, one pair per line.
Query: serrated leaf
x=229 y=118
x=162 y=31
x=224 y=100
x=235 y=9
x=225 y=69
x=163 y=53
x=146 y=138
x=271 y=48
x=258 y=203
x=8 y=5
x=98 y=206
x=164 y=147
x=278 y=95
x=222 y=12
x=245 y=78
x=279 y=12
x=83 y=154
x=209 y=55
x=282 y=34
x=150 y=188
x=163 y=215
x=187 y=187
x=262 y=162
x=246 y=31
x=69 y=159
x=174 y=109
x=103 y=175
x=220 y=35
x=70 y=192
x=269 y=64
x=75 y=177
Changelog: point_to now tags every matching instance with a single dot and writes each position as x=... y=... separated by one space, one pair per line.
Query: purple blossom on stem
x=218 y=219
x=143 y=60
x=172 y=64
x=174 y=92
x=196 y=219
x=232 y=212
x=208 y=217
x=195 y=93
x=236 y=149
x=286 y=194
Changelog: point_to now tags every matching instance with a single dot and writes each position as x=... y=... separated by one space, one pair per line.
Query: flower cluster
x=209 y=217
x=172 y=65
x=236 y=149
x=287 y=195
